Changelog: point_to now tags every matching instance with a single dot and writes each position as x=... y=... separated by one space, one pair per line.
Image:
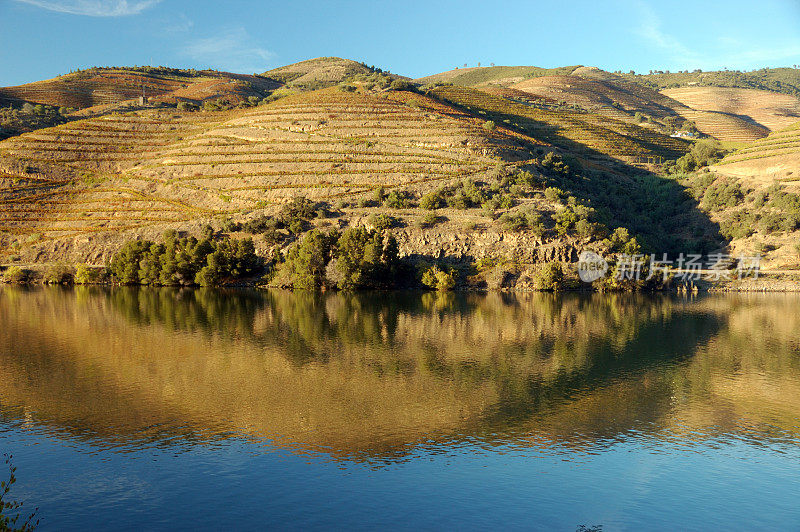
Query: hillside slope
x=772 y=110
x=108 y=86
x=318 y=73
x=159 y=168
x=774 y=158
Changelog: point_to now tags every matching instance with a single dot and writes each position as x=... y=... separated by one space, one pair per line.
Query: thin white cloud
x=650 y=30
x=180 y=24
x=232 y=50
x=729 y=52
x=94 y=8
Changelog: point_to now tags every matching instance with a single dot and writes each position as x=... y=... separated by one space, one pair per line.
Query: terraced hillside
x=728 y=106
x=590 y=134
x=109 y=86
x=771 y=110
x=492 y=75
x=606 y=94
x=776 y=157
x=317 y=73
x=158 y=168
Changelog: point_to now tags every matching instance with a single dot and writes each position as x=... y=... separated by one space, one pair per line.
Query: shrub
x=381 y=222
x=620 y=241
x=304 y=267
x=550 y=277
x=365 y=259
x=182 y=261
x=86 y=274
x=401 y=85
x=398 y=199
x=489 y=125
x=57 y=274
x=553 y=194
x=358 y=258
x=347 y=87
x=429 y=220
x=432 y=200
x=556 y=164
x=439 y=279
x=568 y=219
x=187 y=106
x=16 y=275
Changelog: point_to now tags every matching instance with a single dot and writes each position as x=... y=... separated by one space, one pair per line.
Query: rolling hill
x=771 y=110
x=339 y=133
x=767 y=160
x=154 y=168
x=731 y=107
x=108 y=86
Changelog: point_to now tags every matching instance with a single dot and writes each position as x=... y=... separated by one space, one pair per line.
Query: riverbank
x=522 y=278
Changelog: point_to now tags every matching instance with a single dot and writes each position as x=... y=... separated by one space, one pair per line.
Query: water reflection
x=370 y=376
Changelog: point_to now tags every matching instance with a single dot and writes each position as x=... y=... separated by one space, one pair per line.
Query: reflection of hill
x=372 y=374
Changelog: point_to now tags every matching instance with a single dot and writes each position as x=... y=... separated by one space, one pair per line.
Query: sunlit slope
x=108 y=86
x=155 y=167
x=320 y=71
x=583 y=133
x=774 y=157
x=492 y=75
x=770 y=109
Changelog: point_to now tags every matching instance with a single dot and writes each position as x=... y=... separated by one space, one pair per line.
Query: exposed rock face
x=458 y=246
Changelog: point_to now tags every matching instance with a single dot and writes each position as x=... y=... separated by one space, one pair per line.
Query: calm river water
x=133 y=409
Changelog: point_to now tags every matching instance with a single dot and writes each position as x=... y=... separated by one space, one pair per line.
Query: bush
x=358 y=258
x=86 y=274
x=304 y=267
x=263 y=225
x=432 y=200
x=553 y=194
x=296 y=214
x=187 y=106
x=398 y=199
x=16 y=275
x=365 y=259
x=489 y=125
x=568 y=220
x=58 y=274
x=429 y=220
x=401 y=85
x=439 y=279
x=550 y=277
x=528 y=219
x=183 y=261
x=381 y=222
x=620 y=241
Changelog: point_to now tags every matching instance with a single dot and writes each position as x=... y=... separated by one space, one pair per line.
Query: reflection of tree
x=376 y=372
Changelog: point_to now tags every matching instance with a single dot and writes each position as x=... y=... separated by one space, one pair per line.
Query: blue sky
x=40 y=39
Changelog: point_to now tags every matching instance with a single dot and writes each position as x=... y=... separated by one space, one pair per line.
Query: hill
x=492 y=75
x=491 y=176
x=587 y=133
x=106 y=86
x=771 y=110
x=767 y=160
x=319 y=73
x=729 y=106
x=781 y=80
x=156 y=168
